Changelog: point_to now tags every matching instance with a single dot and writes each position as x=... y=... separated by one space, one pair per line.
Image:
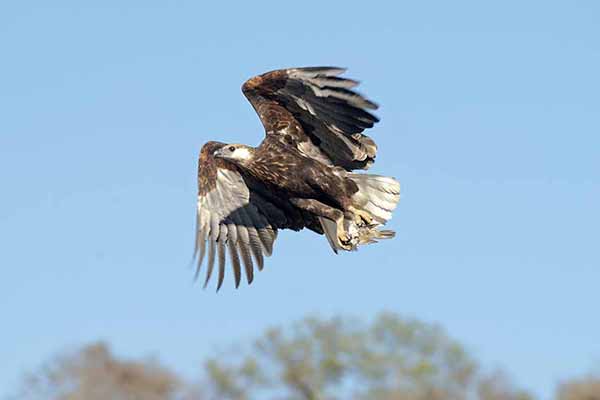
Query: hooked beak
x=218 y=153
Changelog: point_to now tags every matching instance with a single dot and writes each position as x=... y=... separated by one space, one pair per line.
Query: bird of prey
x=299 y=177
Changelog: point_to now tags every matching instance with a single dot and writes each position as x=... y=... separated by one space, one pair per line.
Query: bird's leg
x=323 y=210
x=361 y=217
x=332 y=186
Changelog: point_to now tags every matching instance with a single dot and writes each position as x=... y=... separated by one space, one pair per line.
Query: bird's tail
x=377 y=195
x=376 y=198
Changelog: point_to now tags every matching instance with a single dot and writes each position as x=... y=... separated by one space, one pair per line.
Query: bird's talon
x=363 y=218
x=345 y=240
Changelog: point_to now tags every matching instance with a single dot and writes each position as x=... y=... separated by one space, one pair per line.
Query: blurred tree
x=94 y=374
x=497 y=386
x=392 y=359
x=314 y=359
x=580 y=389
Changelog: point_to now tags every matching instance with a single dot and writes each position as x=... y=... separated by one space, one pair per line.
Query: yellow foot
x=343 y=237
x=361 y=217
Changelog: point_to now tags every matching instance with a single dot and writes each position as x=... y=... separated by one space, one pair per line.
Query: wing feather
x=345 y=113
x=319 y=110
x=201 y=236
x=234 y=256
x=222 y=244
x=211 y=251
x=231 y=218
x=244 y=249
x=253 y=238
x=266 y=236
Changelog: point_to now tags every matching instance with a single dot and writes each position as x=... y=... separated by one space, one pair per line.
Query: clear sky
x=490 y=120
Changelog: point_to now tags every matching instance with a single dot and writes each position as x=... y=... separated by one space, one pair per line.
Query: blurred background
x=489 y=120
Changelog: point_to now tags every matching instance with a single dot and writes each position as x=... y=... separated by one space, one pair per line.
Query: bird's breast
x=281 y=171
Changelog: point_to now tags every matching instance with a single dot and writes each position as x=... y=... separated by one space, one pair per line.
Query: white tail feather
x=378 y=195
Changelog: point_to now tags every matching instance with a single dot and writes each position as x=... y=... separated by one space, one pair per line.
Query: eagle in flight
x=299 y=177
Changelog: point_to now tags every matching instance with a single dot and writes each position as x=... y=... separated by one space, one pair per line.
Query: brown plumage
x=298 y=177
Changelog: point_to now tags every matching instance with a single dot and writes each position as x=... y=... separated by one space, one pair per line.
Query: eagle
x=300 y=176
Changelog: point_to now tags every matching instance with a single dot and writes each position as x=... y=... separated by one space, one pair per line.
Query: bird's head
x=238 y=153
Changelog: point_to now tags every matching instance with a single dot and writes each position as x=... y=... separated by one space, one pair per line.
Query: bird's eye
x=231 y=149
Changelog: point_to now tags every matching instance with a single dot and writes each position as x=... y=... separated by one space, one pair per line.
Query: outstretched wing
x=231 y=219
x=318 y=112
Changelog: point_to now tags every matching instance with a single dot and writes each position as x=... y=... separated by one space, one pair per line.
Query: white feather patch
x=377 y=195
x=241 y=153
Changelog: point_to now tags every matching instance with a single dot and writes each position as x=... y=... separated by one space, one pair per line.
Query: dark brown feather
x=234 y=214
x=312 y=118
x=315 y=108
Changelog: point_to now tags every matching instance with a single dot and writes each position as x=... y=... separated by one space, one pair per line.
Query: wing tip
x=313 y=72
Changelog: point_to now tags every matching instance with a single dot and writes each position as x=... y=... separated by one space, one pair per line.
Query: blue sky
x=490 y=120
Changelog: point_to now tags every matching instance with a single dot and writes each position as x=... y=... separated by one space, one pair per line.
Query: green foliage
x=390 y=358
x=341 y=358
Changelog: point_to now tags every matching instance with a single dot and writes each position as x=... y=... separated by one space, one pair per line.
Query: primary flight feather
x=299 y=177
